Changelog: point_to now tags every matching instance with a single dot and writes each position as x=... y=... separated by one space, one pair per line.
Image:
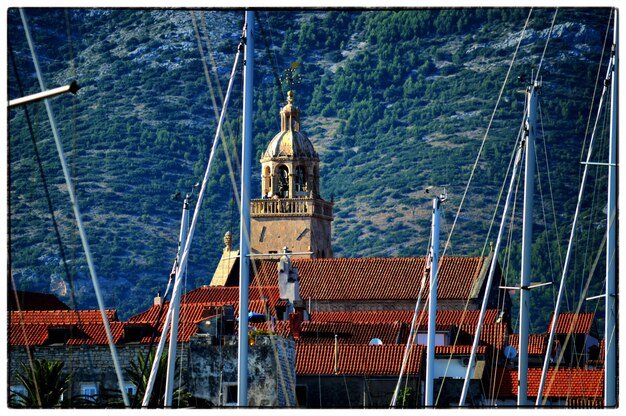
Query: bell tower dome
x=291 y=212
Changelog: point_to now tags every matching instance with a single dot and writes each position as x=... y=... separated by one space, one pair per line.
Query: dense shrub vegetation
x=394 y=101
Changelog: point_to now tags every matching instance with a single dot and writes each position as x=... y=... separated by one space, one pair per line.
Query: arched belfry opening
x=282 y=174
x=291 y=212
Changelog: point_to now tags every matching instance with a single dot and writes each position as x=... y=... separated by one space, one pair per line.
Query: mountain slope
x=393 y=100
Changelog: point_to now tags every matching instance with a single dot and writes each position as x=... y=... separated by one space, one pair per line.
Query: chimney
x=158 y=300
x=295 y=324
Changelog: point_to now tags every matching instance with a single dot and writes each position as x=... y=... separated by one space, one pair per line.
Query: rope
x=578 y=307
x=545 y=47
x=556 y=231
x=79 y=223
x=595 y=86
x=482 y=145
x=212 y=94
x=184 y=257
x=492 y=269
x=571 y=240
x=410 y=338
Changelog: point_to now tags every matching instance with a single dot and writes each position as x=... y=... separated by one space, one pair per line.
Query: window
x=441 y=338
x=131 y=389
x=301 y=395
x=230 y=392
x=89 y=389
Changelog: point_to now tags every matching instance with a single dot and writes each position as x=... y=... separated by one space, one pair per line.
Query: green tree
x=44 y=382
x=138 y=373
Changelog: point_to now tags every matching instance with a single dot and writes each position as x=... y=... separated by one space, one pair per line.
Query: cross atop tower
x=290 y=77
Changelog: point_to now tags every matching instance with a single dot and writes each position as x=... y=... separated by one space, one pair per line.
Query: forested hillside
x=394 y=101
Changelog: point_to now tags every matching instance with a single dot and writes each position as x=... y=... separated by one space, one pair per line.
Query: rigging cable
x=79 y=223
x=492 y=268
x=572 y=232
x=194 y=221
x=595 y=87
x=410 y=338
x=207 y=76
x=482 y=145
x=556 y=230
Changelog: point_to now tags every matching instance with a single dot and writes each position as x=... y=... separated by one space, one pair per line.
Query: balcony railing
x=291 y=207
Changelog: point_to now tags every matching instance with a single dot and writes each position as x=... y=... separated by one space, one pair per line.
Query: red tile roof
x=356 y=359
x=536 y=343
x=562 y=383
x=61 y=317
x=208 y=294
x=79 y=334
x=353 y=333
x=570 y=322
x=444 y=317
x=28 y=334
x=375 y=278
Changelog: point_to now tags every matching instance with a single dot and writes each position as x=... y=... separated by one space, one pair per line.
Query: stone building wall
x=89 y=364
x=271 y=370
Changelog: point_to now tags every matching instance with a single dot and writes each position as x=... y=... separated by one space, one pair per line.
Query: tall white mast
x=244 y=234
x=527 y=233
x=432 y=302
x=610 y=341
x=171 y=357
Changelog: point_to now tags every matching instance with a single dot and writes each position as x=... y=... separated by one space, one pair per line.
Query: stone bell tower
x=291 y=212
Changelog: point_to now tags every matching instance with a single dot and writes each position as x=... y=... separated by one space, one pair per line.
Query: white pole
x=77 y=216
x=492 y=269
x=244 y=227
x=570 y=244
x=610 y=341
x=171 y=356
x=432 y=305
x=194 y=221
x=527 y=234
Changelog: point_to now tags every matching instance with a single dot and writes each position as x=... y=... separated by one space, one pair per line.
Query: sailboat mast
x=527 y=232
x=244 y=227
x=171 y=356
x=432 y=303
x=610 y=341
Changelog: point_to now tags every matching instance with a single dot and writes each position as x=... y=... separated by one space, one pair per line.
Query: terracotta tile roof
x=61 y=317
x=207 y=294
x=375 y=278
x=28 y=301
x=562 y=383
x=364 y=316
x=581 y=323
x=28 y=334
x=79 y=334
x=493 y=335
x=536 y=343
x=444 y=317
x=192 y=313
x=353 y=333
x=356 y=359
x=95 y=334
